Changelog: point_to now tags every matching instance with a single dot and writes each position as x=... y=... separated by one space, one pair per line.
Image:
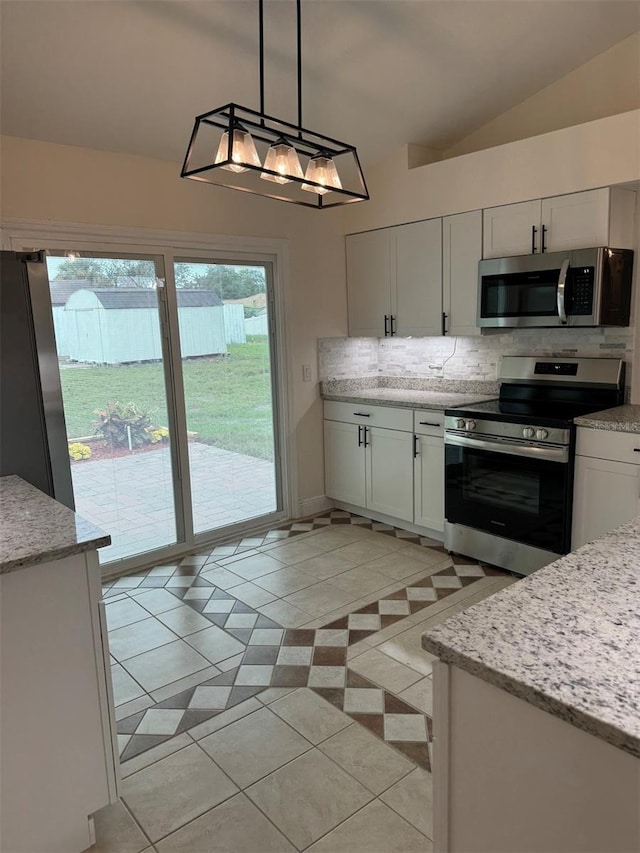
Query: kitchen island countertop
x=620 y=419
x=566 y=639
x=35 y=528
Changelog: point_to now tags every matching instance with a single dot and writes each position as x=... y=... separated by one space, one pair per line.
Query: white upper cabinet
x=461 y=251
x=511 y=229
x=369 y=274
x=394 y=280
x=417 y=309
x=603 y=217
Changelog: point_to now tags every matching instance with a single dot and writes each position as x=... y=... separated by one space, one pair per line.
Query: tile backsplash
x=475 y=358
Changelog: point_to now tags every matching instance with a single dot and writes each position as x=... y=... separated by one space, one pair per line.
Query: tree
x=108 y=272
x=232 y=282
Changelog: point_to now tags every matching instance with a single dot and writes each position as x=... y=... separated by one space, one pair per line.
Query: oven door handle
x=553 y=454
x=560 y=292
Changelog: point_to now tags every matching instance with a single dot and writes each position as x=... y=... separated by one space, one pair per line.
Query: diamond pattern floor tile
x=258 y=654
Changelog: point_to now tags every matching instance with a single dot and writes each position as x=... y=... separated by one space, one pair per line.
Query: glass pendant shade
x=282 y=158
x=243 y=151
x=322 y=170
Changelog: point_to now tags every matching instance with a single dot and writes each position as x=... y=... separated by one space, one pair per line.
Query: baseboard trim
x=314 y=506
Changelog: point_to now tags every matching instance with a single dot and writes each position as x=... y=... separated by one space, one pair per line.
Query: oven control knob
x=541 y=434
x=460 y=423
x=470 y=425
x=528 y=432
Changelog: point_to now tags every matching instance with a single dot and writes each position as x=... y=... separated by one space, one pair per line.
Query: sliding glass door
x=112 y=353
x=227 y=371
x=167 y=368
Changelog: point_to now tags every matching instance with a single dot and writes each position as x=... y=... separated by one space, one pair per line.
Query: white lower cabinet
x=387 y=461
x=607 y=483
x=428 y=480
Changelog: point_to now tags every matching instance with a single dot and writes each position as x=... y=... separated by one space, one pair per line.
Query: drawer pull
x=415 y=446
x=362 y=415
x=428 y=423
x=636 y=449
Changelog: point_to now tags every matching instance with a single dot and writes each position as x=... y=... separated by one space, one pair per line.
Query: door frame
x=24 y=235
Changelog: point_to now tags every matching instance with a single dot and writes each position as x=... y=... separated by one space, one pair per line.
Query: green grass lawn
x=228 y=397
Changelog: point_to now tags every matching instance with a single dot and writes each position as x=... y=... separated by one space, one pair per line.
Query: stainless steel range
x=509 y=463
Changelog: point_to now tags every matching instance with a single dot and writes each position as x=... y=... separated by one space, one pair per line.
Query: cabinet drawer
x=608 y=444
x=359 y=413
x=428 y=422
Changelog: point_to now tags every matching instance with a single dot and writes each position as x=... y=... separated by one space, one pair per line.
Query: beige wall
x=67 y=184
x=596 y=154
x=607 y=84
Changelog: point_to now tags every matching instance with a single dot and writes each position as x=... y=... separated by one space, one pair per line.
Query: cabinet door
x=390 y=472
x=344 y=463
x=429 y=482
x=508 y=229
x=369 y=258
x=417 y=295
x=461 y=251
x=576 y=221
x=605 y=495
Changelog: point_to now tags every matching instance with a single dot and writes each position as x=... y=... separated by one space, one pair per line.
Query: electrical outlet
x=306 y=373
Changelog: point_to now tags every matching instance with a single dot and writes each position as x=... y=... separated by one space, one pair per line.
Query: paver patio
x=131 y=497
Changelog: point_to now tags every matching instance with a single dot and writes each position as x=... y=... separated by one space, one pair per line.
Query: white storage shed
x=114 y=325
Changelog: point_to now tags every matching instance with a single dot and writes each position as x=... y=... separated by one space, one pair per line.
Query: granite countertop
x=35 y=528
x=565 y=639
x=620 y=419
x=411 y=394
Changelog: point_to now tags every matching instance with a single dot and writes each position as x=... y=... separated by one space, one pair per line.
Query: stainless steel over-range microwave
x=583 y=287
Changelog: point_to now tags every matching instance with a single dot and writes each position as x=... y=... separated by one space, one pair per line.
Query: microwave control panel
x=580 y=300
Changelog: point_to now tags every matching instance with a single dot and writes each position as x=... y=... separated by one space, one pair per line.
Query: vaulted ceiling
x=130 y=75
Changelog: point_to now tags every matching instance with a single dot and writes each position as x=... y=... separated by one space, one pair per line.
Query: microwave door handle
x=562 y=283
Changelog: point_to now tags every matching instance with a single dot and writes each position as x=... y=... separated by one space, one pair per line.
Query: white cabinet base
x=510 y=778
x=59 y=763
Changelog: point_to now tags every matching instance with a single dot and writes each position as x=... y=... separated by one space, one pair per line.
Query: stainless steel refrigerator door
x=33 y=437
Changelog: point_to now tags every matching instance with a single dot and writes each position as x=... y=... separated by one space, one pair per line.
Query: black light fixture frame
x=271 y=130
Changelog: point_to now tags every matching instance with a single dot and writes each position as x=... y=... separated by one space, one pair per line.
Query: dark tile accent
x=333 y=695
x=415 y=606
x=193 y=717
x=217 y=618
x=242 y=634
x=180 y=700
x=241 y=607
x=141 y=743
x=239 y=694
x=387 y=619
x=225 y=679
x=199 y=605
x=399 y=595
x=356 y=635
x=201 y=582
x=299 y=637
x=222 y=594
x=356 y=680
x=425 y=582
x=467 y=581
x=153 y=581
x=416 y=752
x=368 y=608
x=290 y=676
x=265 y=622
x=261 y=655
x=339 y=624
x=329 y=656
x=393 y=705
x=373 y=722
x=130 y=724
x=187 y=570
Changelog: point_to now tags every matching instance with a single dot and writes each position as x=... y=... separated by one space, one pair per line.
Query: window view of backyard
x=109 y=343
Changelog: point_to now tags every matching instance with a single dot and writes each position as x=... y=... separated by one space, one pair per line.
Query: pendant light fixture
x=260 y=154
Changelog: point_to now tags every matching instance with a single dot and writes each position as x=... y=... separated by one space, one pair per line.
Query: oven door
x=512 y=489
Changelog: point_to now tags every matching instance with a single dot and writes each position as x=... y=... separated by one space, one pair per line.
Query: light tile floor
x=273 y=695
